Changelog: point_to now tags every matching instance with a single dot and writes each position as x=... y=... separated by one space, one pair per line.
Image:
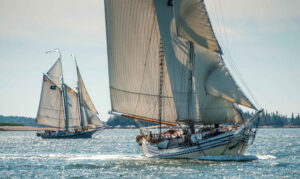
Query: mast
x=64 y=94
x=190 y=87
x=82 y=122
x=161 y=83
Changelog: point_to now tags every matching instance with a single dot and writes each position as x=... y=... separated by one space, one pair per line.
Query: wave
x=228 y=158
x=235 y=157
x=74 y=157
x=106 y=157
x=71 y=157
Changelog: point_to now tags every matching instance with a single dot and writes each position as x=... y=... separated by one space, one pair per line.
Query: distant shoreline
x=23 y=128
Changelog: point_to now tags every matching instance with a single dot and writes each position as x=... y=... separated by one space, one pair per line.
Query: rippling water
x=114 y=154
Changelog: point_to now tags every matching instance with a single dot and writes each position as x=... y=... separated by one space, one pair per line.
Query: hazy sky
x=260 y=37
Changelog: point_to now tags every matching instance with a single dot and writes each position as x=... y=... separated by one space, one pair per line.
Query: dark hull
x=66 y=135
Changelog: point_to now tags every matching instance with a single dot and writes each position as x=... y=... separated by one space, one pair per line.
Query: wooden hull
x=67 y=135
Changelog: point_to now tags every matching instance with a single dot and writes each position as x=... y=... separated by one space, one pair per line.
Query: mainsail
x=50 y=110
x=197 y=85
x=134 y=41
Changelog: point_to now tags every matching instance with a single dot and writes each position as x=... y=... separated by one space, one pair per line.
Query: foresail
x=193 y=23
x=133 y=43
x=55 y=72
x=212 y=74
x=218 y=111
x=90 y=118
x=50 y=112
x=221 y=84
x=73 y=107
x=84 y=94
x=93 y=119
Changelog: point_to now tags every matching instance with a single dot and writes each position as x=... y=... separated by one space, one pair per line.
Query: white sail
x=133 y=43
x=89 y=112
x=73 y=107
x=51 y=112
x=55 y=72
x=193 y=24
x=92 y=118
x=84 y=94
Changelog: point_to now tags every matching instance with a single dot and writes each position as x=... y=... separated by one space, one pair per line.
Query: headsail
x=91 y=118
x=133 y=43
x=50 y=112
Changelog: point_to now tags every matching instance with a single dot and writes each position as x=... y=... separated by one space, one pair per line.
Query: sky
x=259 y=38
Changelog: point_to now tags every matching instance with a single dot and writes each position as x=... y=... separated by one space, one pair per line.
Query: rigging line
x=231 y=60
x=219 y=32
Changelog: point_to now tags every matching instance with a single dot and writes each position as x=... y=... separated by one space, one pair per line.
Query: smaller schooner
x=71 y=112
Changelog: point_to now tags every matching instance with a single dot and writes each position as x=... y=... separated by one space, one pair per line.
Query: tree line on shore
x=266 y=119
x=274 y=119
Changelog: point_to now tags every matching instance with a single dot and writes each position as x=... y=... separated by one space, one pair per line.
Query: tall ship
x=70 y=112
x=166 y=67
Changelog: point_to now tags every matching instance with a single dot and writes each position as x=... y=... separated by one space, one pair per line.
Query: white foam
x=264 y=157
x=106 y=157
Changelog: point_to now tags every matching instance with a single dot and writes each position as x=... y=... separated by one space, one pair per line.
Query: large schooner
x=71 y=112
x=166 y=66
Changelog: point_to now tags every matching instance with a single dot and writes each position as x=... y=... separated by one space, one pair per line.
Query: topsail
x=55 y=72
x=192 y=23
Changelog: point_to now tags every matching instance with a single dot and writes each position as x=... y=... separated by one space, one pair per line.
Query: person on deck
x=171 y=131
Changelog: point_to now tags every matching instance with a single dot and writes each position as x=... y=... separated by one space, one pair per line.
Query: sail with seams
x=166 y=66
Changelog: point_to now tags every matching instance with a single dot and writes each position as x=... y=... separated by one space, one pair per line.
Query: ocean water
x=114 y=154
